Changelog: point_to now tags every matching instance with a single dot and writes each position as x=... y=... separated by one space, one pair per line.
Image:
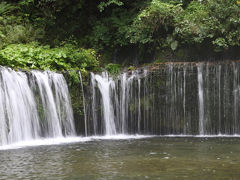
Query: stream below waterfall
x=152 y=158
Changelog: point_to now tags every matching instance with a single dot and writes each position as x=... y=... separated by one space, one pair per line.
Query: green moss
x=131 y=68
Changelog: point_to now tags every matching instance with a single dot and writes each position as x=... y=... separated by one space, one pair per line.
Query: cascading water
x=106 y=86
x=201 y=101
x=19 y=120
x=116 y=95
x=173 y=99
x=33 y=105
x=84 y=105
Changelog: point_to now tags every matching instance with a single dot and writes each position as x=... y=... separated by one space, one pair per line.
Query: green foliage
x=103 y=5
x=15 y=26
x=111 y=32
x=131 y=68
x=215 y=22
x=33 y=56
x=154 y=23
x=14 y=30
x=6 y=8
x=73 y=77
x=226 y=23
x=220 y=44
x=47 y=34
x=172 y=42
x=113 y=69
x=193 y=25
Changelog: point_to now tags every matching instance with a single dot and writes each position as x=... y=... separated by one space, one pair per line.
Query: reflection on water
x=150 y=158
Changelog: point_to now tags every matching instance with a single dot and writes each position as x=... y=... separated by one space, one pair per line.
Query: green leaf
x=174 y=45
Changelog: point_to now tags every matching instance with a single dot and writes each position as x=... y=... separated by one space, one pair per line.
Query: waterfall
x=201 y=101
x=94 y=106
x=124 y=104
x=171 y=99
x=184 y=98
x=106 y=87
x=219 y=98
x=236 y=97
x=33 y=105
x=116 y=96
x=84 y=105
x=139 y=104
x=19 y=120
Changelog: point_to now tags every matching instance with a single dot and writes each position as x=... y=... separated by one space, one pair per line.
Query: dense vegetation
x=72 y=35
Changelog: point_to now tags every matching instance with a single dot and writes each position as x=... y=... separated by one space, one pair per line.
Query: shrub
x=113 y=69
x=33 y=56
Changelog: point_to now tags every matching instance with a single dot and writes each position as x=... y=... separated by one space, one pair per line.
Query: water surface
x=145 y=158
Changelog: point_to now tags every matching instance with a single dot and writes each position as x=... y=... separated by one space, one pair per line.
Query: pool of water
x=122 y=159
